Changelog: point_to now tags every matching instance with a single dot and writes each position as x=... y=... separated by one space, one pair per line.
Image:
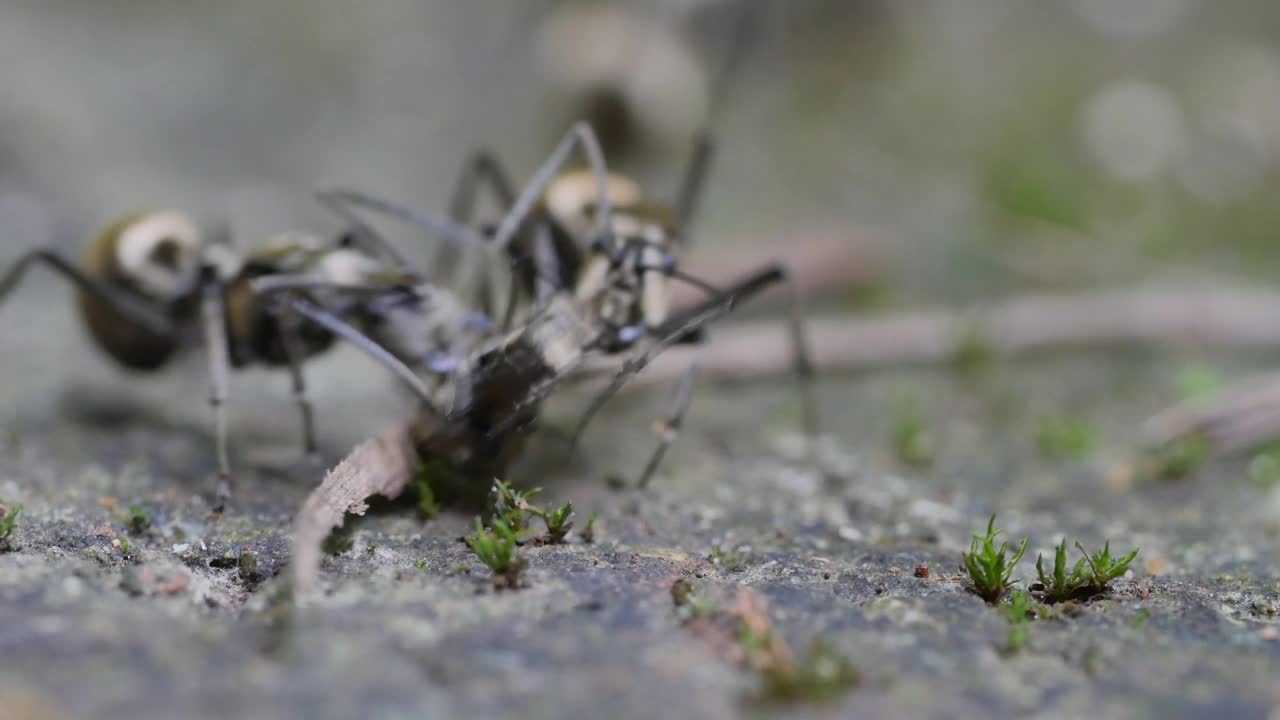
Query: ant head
x=573 y=197
x=159 y=253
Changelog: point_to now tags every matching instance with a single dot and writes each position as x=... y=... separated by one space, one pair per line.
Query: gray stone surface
x=957 y=128
x=407 y=624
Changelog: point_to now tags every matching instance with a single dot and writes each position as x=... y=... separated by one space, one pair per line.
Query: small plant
x=690 y=602
x=496 y=548
x=1105 y=568
x=1179 y=458
x=1061 y=585
x=8 y=520
x=1264 y=468
x=1196 y=382
x=973 y=352
x=1063 y=438
x=511 y=506
x=912 y=443
x=247 y=564
x=137 y=521
x=822 y=676
x=1018 y=613
x=559 y=521
x=1087 y=578
x=588 y=533
x=989 y=571
x=424 y=483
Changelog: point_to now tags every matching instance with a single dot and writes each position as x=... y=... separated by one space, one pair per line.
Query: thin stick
x=1242 y=415
x=1191 y=316
x=382 y=465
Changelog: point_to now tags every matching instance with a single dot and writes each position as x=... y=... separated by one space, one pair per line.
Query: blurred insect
x=592 y=258
x=152 y=285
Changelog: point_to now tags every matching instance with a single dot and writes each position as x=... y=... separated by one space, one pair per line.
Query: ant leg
x=294 y=353
x=351 y=334
x=695 y=175
x=668 y=428
x=340 y=203
x=678 y=327
x=580 y=134
x=343 y=201
x=481 y=165
x=132 y=309
x=802 y=358
x=802 y=363
x=213 y=318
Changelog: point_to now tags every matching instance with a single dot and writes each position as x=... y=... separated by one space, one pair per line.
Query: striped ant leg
x=213 y=323
x=294 y=353
x=677 y=328
x=131 y=308
x=668 y=427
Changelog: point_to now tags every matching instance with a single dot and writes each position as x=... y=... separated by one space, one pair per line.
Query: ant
x=592 y=258
x=152 y=285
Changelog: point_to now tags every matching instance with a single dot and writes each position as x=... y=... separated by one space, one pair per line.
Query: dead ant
x=152 y=285
x=609 y=298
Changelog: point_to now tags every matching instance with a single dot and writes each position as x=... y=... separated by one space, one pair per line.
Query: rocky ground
x=174 y=613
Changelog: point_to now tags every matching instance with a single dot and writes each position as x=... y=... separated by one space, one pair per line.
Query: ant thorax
x=428 y=326
x=559 y=331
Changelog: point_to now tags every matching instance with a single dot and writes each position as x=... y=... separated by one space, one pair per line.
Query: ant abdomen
x=153 y=257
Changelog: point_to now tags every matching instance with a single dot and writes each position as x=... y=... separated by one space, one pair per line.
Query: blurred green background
x=995 y=144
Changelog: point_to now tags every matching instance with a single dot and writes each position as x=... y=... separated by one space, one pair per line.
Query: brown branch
x=823 y=261
x=1200 y=317
x=382 y=465
x=1240 y=416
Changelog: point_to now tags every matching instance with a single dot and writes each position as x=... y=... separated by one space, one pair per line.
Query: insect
x=152 y=285
x=592 y=259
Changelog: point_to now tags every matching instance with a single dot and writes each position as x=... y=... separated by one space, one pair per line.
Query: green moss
x=138 y=520
x=913 y=445
x=1087 y=578
x=1264 y=468
x=8 y=521
x=989 y=568
x=1064 y=438
x=1179 y=458
x=1030 y=182
x=1018 y=613
x=511 y=507
x=1196 y=382
x=1104 y=568
x=559 y=521
x=247 y=564
x=430 y=476
x=973 y=353
x=1061 y=585
x=496 y=548
x=822 y=676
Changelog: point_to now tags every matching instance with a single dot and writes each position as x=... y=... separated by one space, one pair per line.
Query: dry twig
x=1243 y=415
x=1189 y=316
x=382 y=465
